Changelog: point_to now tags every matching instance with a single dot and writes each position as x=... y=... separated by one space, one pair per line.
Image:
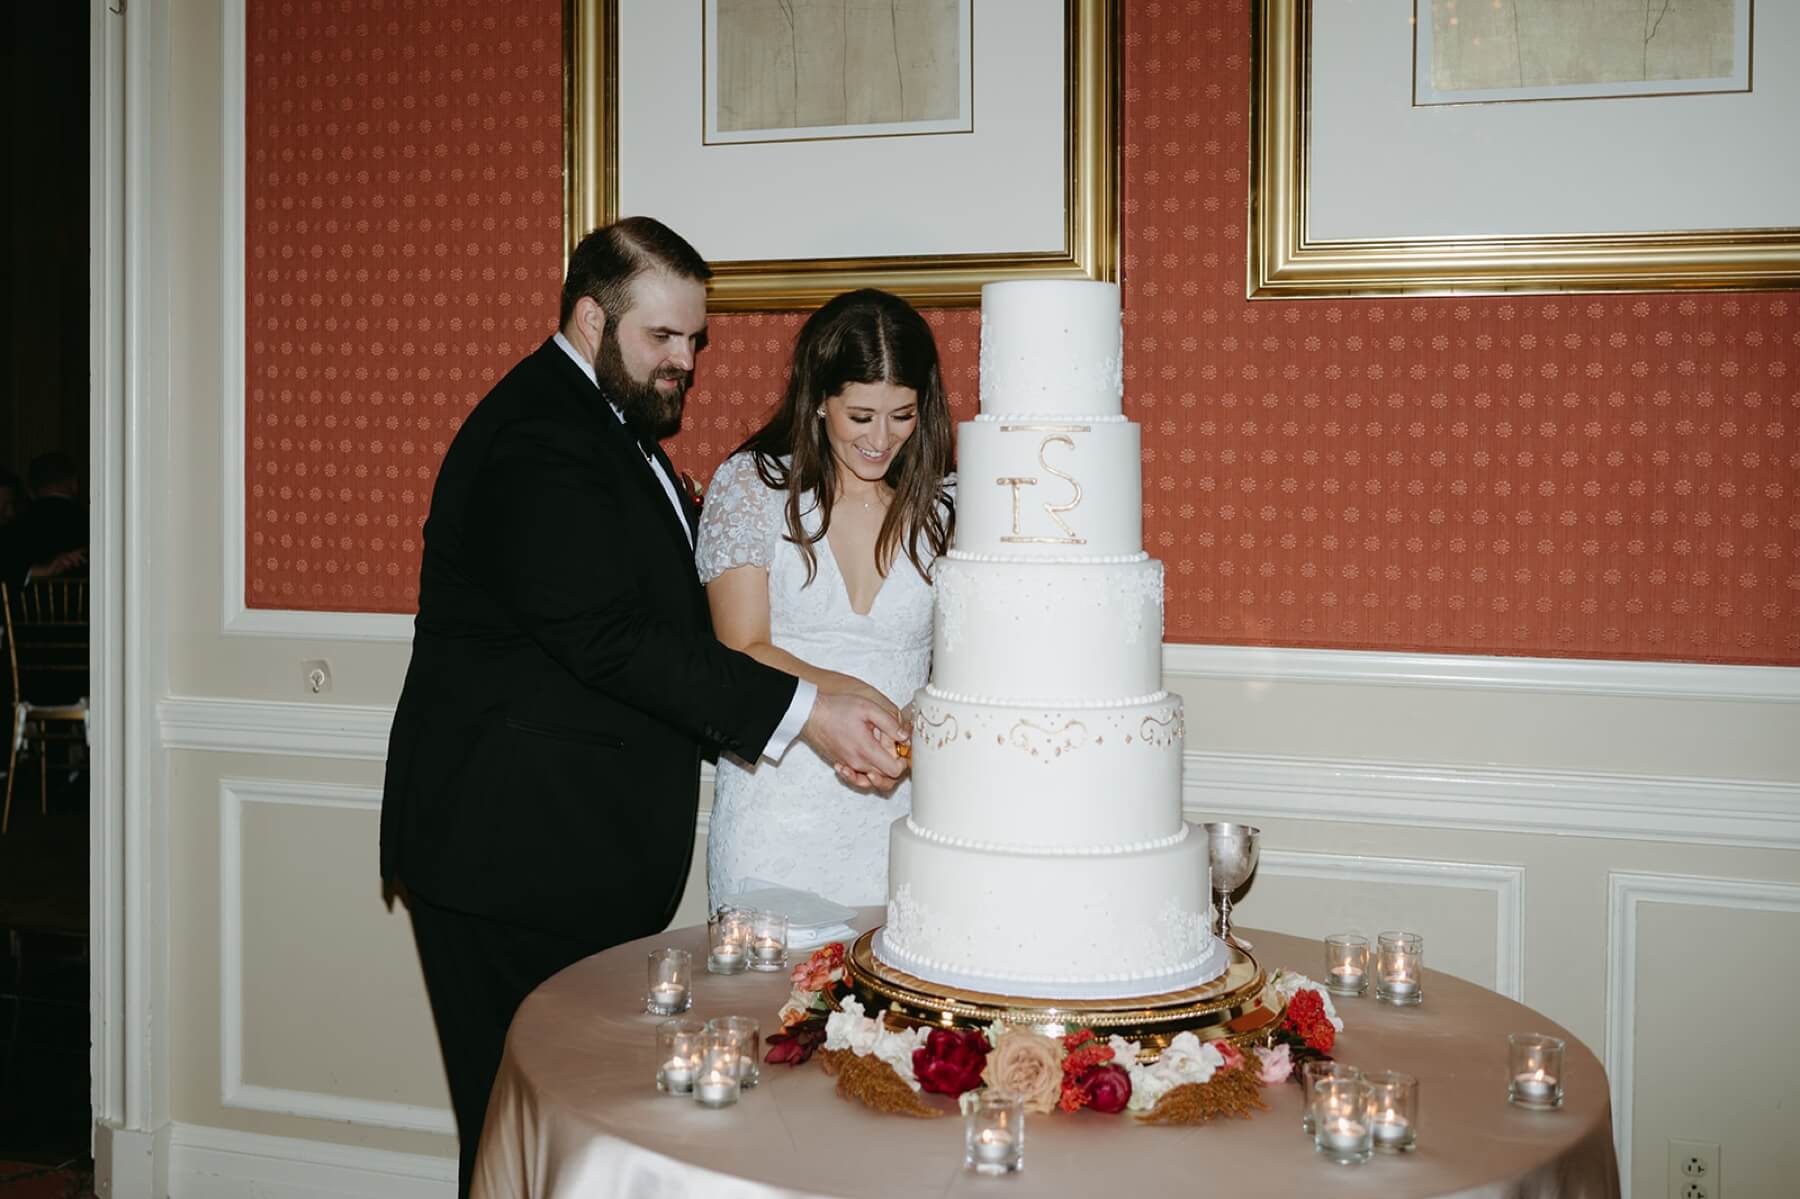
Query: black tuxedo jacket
x=544 y=762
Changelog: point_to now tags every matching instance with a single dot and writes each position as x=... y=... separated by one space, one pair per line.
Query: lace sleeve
x=739 y=521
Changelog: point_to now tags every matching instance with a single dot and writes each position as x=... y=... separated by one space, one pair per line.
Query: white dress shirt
x=801 y=706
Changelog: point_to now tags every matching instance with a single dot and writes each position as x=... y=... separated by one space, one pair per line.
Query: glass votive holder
x=1396 y=1128
x=671 y=982
x=728 y=941
x=1534 y=1067
x=749 y=1043
x=993 y=1131
x=677 y=1056
x=1400 y=968
x=717 y=1083
x=768 y=941
x=1343 y=1119
x=1311 y=1071
x=1346 y=964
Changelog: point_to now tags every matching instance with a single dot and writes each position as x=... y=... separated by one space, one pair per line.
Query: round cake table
x=575 y=1110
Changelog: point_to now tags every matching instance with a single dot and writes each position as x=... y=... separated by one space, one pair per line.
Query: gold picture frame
x=1286 y=261
x=1090 y=200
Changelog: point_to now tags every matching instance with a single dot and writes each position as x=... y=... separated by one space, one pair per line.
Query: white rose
x=896 y=1049
x=850 y=1029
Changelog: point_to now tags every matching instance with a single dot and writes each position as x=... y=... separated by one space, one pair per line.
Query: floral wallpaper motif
x=1607 y=476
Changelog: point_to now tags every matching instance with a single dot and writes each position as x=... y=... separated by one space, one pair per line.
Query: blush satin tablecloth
x=575 y=1110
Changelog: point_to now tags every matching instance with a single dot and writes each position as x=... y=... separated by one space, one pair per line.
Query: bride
x=816 y=546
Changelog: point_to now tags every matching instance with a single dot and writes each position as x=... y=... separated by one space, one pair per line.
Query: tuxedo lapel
x=629 y=457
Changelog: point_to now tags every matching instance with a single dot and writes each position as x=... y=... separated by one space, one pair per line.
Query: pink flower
x=823 y=968
x=1277 y=1064
x=1234 y=1057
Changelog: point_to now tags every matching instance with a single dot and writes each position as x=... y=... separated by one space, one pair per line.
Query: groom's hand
x=856 y=736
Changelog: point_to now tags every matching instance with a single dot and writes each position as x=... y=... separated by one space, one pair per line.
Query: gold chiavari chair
x=46 y=625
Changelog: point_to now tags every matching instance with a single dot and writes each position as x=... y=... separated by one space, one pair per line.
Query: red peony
x=950 y=1062
x=1307 y=1020
x=1107 y=1088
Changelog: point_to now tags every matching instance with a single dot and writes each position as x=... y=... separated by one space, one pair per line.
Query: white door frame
x=128 y=346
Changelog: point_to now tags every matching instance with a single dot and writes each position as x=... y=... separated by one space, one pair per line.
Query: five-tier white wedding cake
x=1046 y=854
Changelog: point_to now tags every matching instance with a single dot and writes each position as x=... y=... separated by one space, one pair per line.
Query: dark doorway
x=45 y=1117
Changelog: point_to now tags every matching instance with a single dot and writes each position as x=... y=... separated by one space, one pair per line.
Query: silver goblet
x=1231 y=851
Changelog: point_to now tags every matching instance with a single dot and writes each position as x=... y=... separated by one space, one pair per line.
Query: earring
x=821 y=412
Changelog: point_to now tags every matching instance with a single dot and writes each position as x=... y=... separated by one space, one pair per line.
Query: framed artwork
x=1521 y=50
x=806 y=147
x=1384 y=162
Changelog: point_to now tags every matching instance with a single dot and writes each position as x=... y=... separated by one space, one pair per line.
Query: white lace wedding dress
x=795 y=824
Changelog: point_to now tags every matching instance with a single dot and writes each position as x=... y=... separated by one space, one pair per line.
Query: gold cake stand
x=1240 y=1005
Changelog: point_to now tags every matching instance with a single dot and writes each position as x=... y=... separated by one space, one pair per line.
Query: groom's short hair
x=608 y=259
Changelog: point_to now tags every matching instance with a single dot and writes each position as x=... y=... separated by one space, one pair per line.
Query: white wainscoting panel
x=1627 y=892
x=233 y=1090
x=220 y=1163
x=1505 y=883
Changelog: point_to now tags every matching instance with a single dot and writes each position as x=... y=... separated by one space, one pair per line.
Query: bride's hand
x=847 y=685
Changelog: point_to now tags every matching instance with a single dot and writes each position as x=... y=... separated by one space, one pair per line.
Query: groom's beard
x=650 y=413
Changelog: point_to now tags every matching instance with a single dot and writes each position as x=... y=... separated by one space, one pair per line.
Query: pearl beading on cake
x=1060 y=560
x=1049 y=418
x=1048 y=705
x=1052 y=851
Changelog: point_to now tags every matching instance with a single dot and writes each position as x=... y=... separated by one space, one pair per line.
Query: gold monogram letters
x=1053 y=435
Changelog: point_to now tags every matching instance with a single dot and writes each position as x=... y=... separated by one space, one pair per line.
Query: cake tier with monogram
x=1046 y=854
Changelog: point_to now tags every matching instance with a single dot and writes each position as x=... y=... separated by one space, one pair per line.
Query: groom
x=543 y=769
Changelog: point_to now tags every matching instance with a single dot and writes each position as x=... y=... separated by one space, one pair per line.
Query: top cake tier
x=1051 y=347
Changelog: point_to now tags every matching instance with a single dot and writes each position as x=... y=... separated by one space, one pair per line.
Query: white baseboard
x=130 y=1163
x=220 y=1163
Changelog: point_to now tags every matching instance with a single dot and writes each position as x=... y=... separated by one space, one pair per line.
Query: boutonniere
x=696 y=490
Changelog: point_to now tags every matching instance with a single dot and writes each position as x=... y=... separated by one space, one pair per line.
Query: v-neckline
x=844 y=581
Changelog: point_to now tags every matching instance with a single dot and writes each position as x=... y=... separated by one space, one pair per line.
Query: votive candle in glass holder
x=993 y=1131
x=671 y=982
x=1396 y=1128
x=1344 y=1119
x=768 y=941
x=1346 y=964
x=1311 y=1071
x=1534 y=1068
x=677 y=1055
x=717 y=1083
x=728 y=941
x=1400 y=968
x=749 y=1042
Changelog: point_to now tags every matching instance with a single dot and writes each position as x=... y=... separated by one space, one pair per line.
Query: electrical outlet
x=1694 y=1170
x=315 y=675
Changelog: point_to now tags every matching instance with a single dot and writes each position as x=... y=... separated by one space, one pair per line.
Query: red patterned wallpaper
x=1606 y=476
x=403 y=201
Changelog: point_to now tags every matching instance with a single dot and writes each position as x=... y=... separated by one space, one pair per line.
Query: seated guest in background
x=12 y=497
x=56 y=524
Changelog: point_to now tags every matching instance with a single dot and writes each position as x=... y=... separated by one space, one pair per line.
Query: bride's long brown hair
x=864 y=336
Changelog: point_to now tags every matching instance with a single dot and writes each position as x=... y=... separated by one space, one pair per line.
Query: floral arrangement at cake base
x=893 y=1069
